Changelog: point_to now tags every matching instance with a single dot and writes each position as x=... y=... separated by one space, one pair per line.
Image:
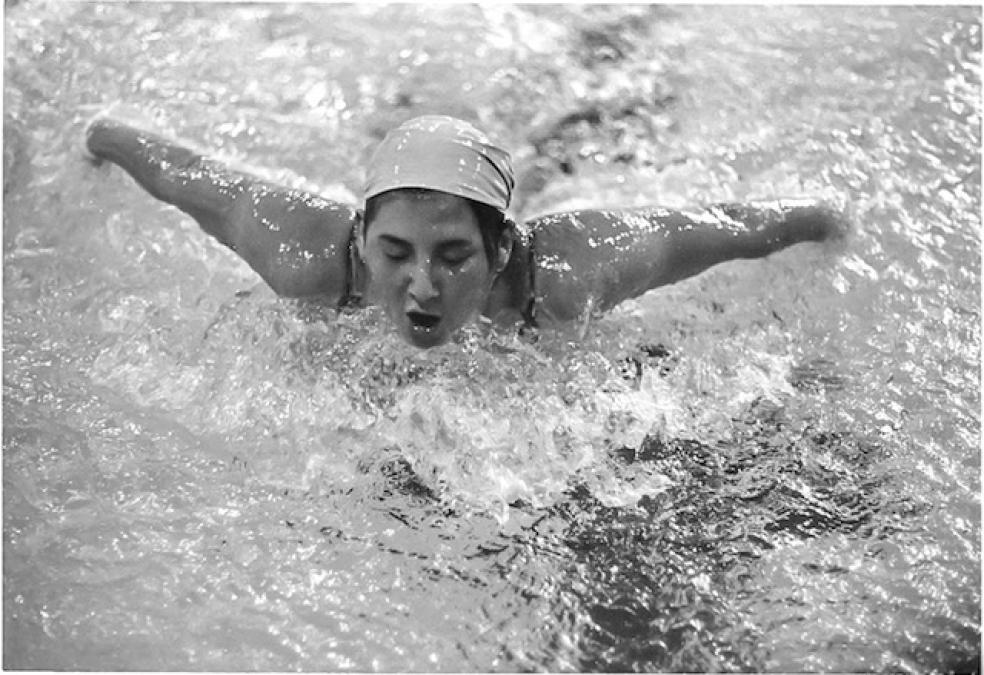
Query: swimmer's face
x=427 y=266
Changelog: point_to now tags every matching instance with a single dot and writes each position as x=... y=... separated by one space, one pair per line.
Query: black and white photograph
x=486 y=337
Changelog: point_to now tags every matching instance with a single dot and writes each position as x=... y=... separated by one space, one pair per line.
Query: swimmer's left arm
x=596 y=259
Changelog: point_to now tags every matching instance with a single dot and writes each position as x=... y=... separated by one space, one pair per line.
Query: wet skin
x=430 y=272
x=427 y=266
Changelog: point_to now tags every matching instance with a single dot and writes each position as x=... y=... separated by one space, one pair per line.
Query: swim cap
x=442 y=153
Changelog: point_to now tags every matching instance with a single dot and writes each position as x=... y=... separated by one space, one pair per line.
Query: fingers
x=837 y=218
x=123 y=114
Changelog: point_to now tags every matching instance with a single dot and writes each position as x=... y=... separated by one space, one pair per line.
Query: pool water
x=774 y=466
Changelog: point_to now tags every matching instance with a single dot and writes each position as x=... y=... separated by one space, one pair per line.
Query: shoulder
x=299 y=242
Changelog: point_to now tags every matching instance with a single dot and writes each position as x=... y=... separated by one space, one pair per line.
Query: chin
x=424 y=340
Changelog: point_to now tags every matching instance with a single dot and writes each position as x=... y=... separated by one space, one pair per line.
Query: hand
x=838 y=221
x=115 y=114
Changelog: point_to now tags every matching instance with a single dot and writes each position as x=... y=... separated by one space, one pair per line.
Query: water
x=774 y=466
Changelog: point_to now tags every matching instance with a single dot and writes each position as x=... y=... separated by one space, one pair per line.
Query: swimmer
x=432 y=244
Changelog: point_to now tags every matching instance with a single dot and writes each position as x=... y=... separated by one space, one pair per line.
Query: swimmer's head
x=442 y=153
x=436 y=236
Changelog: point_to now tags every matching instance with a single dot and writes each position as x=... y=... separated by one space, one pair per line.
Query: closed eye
x=456 y=254
x=456 y=258
x=394 y=249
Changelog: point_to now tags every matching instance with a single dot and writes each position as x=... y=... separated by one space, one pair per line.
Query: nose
x=422 y=288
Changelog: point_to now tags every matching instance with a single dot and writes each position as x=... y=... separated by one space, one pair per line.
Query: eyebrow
x=450 y=243
x=456 y=243
x=390 y=239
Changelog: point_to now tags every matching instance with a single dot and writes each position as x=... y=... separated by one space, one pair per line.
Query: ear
x=506 y=242
x=359 y=234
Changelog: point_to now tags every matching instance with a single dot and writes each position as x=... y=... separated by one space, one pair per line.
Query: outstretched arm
x=596 y=259
x=297 y=241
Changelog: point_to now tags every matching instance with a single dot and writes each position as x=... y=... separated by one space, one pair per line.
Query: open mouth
x=423 y=321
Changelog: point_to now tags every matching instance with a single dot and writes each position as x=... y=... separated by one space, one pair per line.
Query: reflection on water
x=774 y=466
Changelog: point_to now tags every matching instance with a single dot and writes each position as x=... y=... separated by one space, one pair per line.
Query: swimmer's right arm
x=295 y=240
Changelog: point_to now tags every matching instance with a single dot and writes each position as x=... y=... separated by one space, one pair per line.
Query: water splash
x=774 y=466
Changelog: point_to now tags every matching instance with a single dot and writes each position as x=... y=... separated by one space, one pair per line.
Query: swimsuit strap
x=529 y=312
x=353 y=279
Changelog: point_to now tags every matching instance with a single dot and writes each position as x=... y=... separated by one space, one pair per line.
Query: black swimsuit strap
x=529 y=312
x=353 y=287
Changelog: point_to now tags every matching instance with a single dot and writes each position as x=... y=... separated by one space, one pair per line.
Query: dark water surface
x=774 y=466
